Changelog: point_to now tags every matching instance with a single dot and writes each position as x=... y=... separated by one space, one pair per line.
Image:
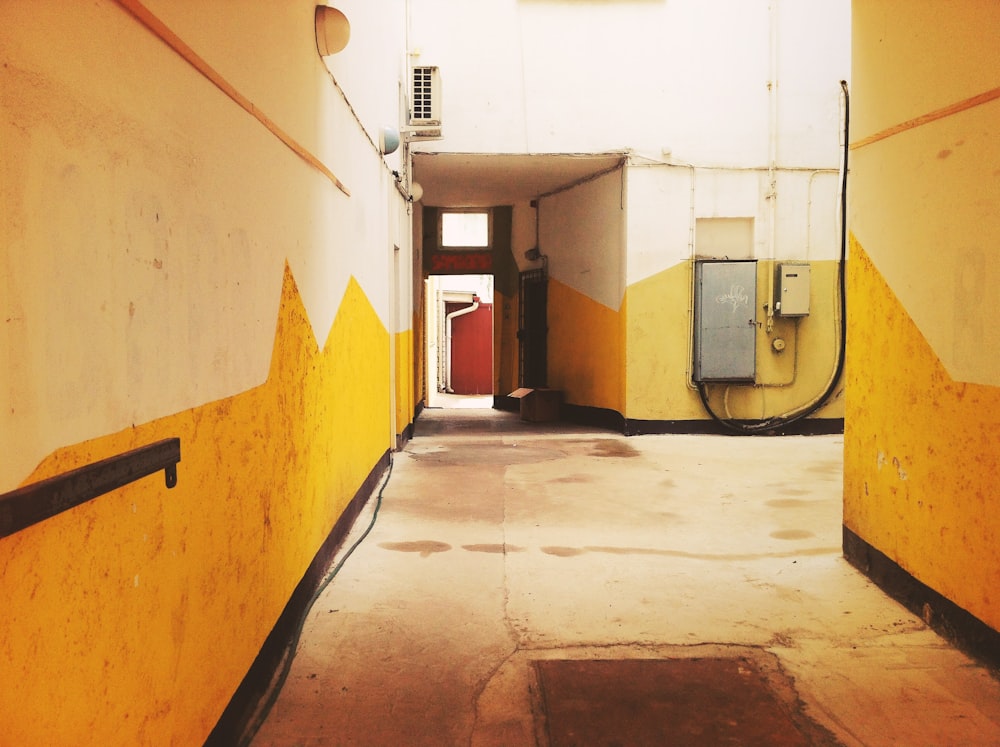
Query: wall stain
x=424 y=547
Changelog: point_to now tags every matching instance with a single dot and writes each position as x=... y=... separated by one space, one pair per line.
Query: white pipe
x=447 y=324
x=772 y=154
x=439 y=339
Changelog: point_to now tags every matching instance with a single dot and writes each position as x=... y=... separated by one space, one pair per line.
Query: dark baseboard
x=603 y=417
x=805 y=427
x=598 y=417
x=236 y=725
x=404 y=438
x=965 y=631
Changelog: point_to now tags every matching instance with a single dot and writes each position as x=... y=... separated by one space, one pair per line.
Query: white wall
x=691 y=75
x=148 y=217
x=662 y=218
x=674 y=83
x=582 y=231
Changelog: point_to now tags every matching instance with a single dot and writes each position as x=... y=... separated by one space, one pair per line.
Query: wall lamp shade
x=388 y=140
x=333 y=30
x=416 y=192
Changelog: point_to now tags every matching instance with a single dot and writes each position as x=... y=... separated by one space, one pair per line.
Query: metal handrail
x=33 y=503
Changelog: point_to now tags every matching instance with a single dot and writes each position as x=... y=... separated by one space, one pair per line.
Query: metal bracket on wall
x=33 y=503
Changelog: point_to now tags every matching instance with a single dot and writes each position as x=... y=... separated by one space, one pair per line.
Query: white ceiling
x=487 y=179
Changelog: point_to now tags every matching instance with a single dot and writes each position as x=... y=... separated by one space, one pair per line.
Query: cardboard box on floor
x=539 y=405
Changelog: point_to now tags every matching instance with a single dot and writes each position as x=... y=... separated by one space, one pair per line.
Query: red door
x=472 y=350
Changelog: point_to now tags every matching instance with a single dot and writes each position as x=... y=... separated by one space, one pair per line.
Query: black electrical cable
x=293 y=643
x=768 y=425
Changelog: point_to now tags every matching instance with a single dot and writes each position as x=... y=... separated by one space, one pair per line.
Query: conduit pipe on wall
x=772 y=153
x=778 y=421
x=447 y=333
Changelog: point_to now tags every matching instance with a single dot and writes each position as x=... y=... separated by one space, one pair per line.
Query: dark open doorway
x=532 y=332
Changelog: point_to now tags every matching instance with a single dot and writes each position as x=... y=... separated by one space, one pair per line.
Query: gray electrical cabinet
x=793 y=289
x=725 y=321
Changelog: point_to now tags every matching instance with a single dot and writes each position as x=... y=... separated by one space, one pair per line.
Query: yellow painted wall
x=171 y=266
x=925 y=154
x=404 y=380
x=419 y=353
x=659 y=351
x=132 y=618
x=659 y=348
x=585 y=349
x=920 y=452
x=923 y=390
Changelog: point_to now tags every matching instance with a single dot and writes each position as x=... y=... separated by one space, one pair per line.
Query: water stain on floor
x=608 y=447
x=828 y=467
x=792 y=534
x=786 y=503
x=563 y=552
x=573 y=479
x=492 y=453
x=424 y=547
x=498 y=549
x=571 y=552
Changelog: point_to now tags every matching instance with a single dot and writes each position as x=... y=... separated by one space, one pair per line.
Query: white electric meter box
x=725 y=321
x=792 y=290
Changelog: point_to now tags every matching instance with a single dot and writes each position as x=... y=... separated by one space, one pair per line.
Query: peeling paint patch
x=899 y=468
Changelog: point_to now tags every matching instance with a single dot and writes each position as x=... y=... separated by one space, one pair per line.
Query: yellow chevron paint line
x=947 y=111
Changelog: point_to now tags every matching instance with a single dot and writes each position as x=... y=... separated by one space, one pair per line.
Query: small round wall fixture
x=333 y=30
x=416 y=192
x=388 y=140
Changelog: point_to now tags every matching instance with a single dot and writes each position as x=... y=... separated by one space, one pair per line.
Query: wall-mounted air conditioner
x=424 y=119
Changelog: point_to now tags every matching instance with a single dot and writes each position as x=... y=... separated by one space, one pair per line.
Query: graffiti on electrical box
x=737 y=296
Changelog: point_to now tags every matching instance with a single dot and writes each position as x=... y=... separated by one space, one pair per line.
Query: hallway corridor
x=501 y=545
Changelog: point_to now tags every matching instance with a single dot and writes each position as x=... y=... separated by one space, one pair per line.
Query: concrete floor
x=499 y=543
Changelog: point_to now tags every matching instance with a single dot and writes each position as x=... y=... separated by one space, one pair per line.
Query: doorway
x=532 y=332
x=459 y=334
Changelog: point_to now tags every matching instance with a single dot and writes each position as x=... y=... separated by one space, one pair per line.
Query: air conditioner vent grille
x=424 y=105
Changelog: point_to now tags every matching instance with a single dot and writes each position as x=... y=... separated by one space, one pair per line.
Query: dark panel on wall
x=430 y=233
x=504 y=267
